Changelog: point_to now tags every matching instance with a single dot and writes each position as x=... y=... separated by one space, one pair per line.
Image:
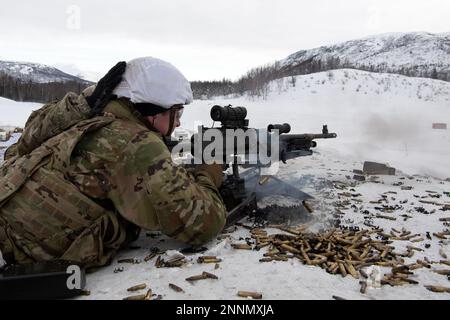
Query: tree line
x=28 y=91
x=255 y=81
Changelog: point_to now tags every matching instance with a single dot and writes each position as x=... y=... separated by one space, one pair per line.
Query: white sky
x=205 y=39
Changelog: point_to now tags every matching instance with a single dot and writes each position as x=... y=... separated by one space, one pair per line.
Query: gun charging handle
x=283 y=128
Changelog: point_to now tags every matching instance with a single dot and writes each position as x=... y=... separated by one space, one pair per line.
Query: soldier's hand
x=214 y=171
x=104 y=88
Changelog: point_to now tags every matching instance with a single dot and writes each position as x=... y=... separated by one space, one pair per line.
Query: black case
x=40 y=281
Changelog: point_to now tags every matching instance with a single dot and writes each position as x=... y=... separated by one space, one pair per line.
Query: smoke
x=394 y=129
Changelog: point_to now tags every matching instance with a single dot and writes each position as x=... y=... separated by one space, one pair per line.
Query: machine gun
x=239 y=197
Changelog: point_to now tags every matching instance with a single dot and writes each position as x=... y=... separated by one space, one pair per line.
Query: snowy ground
x=384 y=118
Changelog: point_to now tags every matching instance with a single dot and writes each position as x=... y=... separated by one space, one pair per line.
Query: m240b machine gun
x=234 y=143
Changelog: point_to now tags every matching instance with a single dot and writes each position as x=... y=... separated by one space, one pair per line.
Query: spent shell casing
x=442 y=272
x=263 y=180
x=305 y=256
x=241 y=246
x=363 y=287
x=414 y=248
x=129 y=260
x=137 y=287
x=307 y=206
x=290 y=249
x=209 y=275
x=415 y=266
x=246 y=294
x=175 y=287
x=148 y=295
x=150 y=256
x=209 y=259
x=195 y=278
x=439 y=289
x=439 y=235
x=137 y=297
x=363 y=274
x=351 y=270
x=342 y=269
x=446 y=262
x=410 y=281
x=384 y=253
x=400 y=269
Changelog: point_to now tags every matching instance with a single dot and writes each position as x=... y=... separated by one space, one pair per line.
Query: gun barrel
x=308 y=136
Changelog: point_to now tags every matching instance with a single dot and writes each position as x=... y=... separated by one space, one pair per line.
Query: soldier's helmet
x=153 y=81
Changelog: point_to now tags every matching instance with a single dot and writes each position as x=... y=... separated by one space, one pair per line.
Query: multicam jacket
x=126 y=177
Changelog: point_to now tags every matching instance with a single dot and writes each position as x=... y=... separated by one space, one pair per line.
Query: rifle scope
x=227 y=113
x=283 y=128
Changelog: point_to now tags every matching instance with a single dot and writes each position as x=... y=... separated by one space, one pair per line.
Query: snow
x=378 y=117
x=391 y=50
x=15 y=114
x=35 y=72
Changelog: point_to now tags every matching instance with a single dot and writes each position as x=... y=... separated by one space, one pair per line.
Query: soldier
x=86 y=192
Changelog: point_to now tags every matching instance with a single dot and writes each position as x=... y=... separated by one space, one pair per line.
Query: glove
x=213 y=171
x=104 y=88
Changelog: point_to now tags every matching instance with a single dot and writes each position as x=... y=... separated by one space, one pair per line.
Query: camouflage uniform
x=127 y=179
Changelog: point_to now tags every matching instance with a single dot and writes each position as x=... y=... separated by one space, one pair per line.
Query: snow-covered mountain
x=36 y=73
x=418 y=54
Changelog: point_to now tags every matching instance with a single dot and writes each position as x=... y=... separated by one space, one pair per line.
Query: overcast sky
x=205 y=39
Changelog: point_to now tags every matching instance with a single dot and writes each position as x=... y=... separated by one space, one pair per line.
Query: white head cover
x=151 y=80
